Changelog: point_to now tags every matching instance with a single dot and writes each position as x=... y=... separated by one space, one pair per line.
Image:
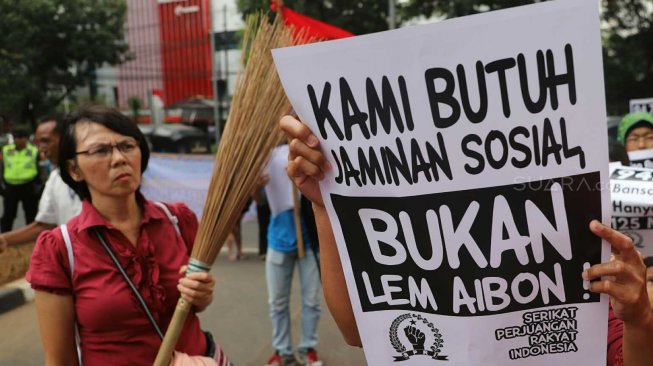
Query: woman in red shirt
x=102 y=157
x=630 y=331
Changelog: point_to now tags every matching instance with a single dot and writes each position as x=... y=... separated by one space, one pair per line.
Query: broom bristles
x=250 y=135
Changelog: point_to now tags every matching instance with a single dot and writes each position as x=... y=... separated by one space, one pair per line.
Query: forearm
x=52 y=360
x=638 y=342
x=333 y=280
x=56 y=316
x=26 y=234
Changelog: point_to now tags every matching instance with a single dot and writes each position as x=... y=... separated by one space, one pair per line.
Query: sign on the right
x=469 y=157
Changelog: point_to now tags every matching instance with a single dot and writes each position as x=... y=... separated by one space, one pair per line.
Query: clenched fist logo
x=416 y=337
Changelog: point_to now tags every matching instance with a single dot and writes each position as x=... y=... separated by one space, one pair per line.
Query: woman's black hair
x=108 y=117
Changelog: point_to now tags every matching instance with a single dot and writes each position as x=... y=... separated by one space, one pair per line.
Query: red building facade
x=170 y=51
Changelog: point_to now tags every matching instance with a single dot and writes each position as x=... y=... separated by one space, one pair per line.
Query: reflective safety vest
x=21 y=166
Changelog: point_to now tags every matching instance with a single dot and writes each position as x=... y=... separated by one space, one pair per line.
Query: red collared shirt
x=114 y=329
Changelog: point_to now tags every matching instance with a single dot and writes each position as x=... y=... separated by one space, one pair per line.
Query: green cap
x=629 y=121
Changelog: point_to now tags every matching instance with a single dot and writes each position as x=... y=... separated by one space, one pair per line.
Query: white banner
x=178 y=178
x=468 y=157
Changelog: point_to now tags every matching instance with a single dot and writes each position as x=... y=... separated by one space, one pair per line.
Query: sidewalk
x=15 y=294
x=18 y=292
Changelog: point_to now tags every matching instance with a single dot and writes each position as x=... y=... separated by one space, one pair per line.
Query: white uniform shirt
x=59 y=203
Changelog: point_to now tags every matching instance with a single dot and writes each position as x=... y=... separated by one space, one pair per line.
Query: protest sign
x=632 y=204
x=468 y=159
x=641 y=105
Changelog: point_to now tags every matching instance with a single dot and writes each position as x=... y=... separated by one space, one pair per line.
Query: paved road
x=238 y=318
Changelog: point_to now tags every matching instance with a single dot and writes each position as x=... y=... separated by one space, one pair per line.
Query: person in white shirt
x=58 y=204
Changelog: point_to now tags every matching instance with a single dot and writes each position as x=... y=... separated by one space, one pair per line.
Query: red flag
x=312 y=28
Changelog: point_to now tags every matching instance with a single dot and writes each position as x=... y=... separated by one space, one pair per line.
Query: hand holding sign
x=624 y=277
x=306 y=163
x=625 y=282
x=306 y=167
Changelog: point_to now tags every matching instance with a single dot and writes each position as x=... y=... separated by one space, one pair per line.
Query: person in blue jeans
x=282 y=256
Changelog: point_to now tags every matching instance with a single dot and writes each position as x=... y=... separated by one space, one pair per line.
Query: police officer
x=20 y=176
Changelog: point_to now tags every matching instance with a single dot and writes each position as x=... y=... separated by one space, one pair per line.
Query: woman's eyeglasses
x=104 y=151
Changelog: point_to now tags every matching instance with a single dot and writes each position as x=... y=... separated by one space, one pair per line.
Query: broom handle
x=172 y=334
x=178 y=320
x=298 y=223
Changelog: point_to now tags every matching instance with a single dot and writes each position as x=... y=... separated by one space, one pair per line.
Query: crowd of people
x=92 y=223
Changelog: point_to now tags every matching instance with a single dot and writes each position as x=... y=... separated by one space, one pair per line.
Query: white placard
x=641 y=158
x=468 y=161
x=632 y=204
x=641 y=105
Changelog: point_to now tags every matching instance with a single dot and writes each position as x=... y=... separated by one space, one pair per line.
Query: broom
x=250 y=135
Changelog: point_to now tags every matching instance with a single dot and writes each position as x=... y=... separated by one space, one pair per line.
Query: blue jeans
x=279 y=268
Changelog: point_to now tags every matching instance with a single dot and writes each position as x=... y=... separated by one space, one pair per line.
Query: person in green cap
x=635 y=131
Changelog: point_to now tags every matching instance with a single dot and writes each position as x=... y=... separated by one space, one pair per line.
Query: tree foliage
x=627 y=34
x=627 y=52
x=48 y=48
x=457 y=8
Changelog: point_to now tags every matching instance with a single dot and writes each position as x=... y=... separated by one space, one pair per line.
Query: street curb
x=15 y=294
